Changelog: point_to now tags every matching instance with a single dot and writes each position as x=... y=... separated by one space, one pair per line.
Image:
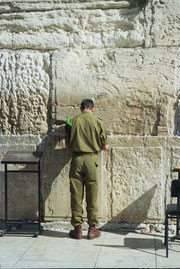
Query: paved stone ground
x=54 y=249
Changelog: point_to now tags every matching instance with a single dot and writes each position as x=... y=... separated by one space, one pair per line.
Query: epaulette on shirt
x=99 y=118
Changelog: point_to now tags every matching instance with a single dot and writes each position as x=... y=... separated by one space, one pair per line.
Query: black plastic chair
x=173 y=212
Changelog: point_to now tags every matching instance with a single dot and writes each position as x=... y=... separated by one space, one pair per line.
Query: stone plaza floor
x=120 y=249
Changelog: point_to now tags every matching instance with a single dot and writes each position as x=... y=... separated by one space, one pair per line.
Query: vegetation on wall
x=142 y=3
x=139 y=3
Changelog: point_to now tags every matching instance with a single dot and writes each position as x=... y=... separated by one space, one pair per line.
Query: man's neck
x=87 y=110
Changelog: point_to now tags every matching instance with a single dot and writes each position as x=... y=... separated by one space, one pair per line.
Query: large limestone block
x=25 y=87
x=172 y=157
x=175 y=161
x=135 y=91
x=165 y=23
x=45 y=5
x=88 y=24
x=138 y=184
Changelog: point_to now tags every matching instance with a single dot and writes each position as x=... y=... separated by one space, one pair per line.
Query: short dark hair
x=87 y=104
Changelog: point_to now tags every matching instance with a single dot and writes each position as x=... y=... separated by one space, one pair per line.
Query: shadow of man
x=54 y=177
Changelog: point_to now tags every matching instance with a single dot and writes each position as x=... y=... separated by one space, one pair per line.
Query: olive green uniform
x=88 y=136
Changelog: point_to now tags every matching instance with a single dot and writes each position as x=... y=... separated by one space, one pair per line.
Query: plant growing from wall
x=139 y=3
x=143 y=3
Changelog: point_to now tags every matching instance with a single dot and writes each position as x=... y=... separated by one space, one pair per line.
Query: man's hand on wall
x=106 y=147
x=67 y=146
x=59 y=122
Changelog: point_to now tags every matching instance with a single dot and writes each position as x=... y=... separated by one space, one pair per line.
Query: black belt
x=85 y=153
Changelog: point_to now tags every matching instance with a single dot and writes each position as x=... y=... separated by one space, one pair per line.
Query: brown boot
x=76 y=233
x=93 y=233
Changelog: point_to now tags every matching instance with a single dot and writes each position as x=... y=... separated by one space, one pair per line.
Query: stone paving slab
x=173 y=261
x=51 y=264
x=120 y=249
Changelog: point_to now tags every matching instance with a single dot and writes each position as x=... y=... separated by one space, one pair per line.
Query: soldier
x=86 y=139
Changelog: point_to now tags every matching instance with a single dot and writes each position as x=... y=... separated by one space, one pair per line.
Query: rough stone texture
x=165 y=26
x=47 y=25
x=137 y=185
x=88 y=24
x=125 y=57
x=141 y=102
x=24 y=82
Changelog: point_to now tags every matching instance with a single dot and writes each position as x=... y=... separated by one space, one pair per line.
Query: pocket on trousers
x=75 y=168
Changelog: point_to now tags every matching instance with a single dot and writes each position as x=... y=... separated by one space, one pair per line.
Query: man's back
x=87 y=133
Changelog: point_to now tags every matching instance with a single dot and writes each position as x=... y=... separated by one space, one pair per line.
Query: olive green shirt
x=88 y=133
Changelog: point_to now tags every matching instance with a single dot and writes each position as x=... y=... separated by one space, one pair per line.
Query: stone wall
x=125 y=57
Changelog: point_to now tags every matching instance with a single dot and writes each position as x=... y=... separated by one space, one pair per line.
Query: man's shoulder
x=77 y=116
x=88 y=115
x=94 y=117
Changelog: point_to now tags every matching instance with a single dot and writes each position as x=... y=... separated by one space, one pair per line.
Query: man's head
x=87 y=104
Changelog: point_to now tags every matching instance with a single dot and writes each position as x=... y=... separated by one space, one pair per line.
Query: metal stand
x=17 y=226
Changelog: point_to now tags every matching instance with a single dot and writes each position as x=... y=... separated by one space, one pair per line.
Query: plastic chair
x=173 y=212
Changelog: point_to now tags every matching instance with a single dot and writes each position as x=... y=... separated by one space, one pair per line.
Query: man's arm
x=67 y=135
x=68 y=131
x=60 y=122
x=104 y=139
x=67 y=146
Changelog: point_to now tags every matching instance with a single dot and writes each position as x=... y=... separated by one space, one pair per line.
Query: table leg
x=177 y=223
x=6 y=196
x=39 y=196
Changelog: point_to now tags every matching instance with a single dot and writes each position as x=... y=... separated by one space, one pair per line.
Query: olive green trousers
x=84 y=176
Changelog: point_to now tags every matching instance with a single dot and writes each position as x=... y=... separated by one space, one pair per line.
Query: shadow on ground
x=59 y=234
x=54 y=234
x=145 y=245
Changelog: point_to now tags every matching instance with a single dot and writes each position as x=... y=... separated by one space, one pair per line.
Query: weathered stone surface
x=138 y=184
x=47 y=26
x=29 y=5
x=24 y=80
x=135 y=91
x=88 y=24
x=165 y=23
